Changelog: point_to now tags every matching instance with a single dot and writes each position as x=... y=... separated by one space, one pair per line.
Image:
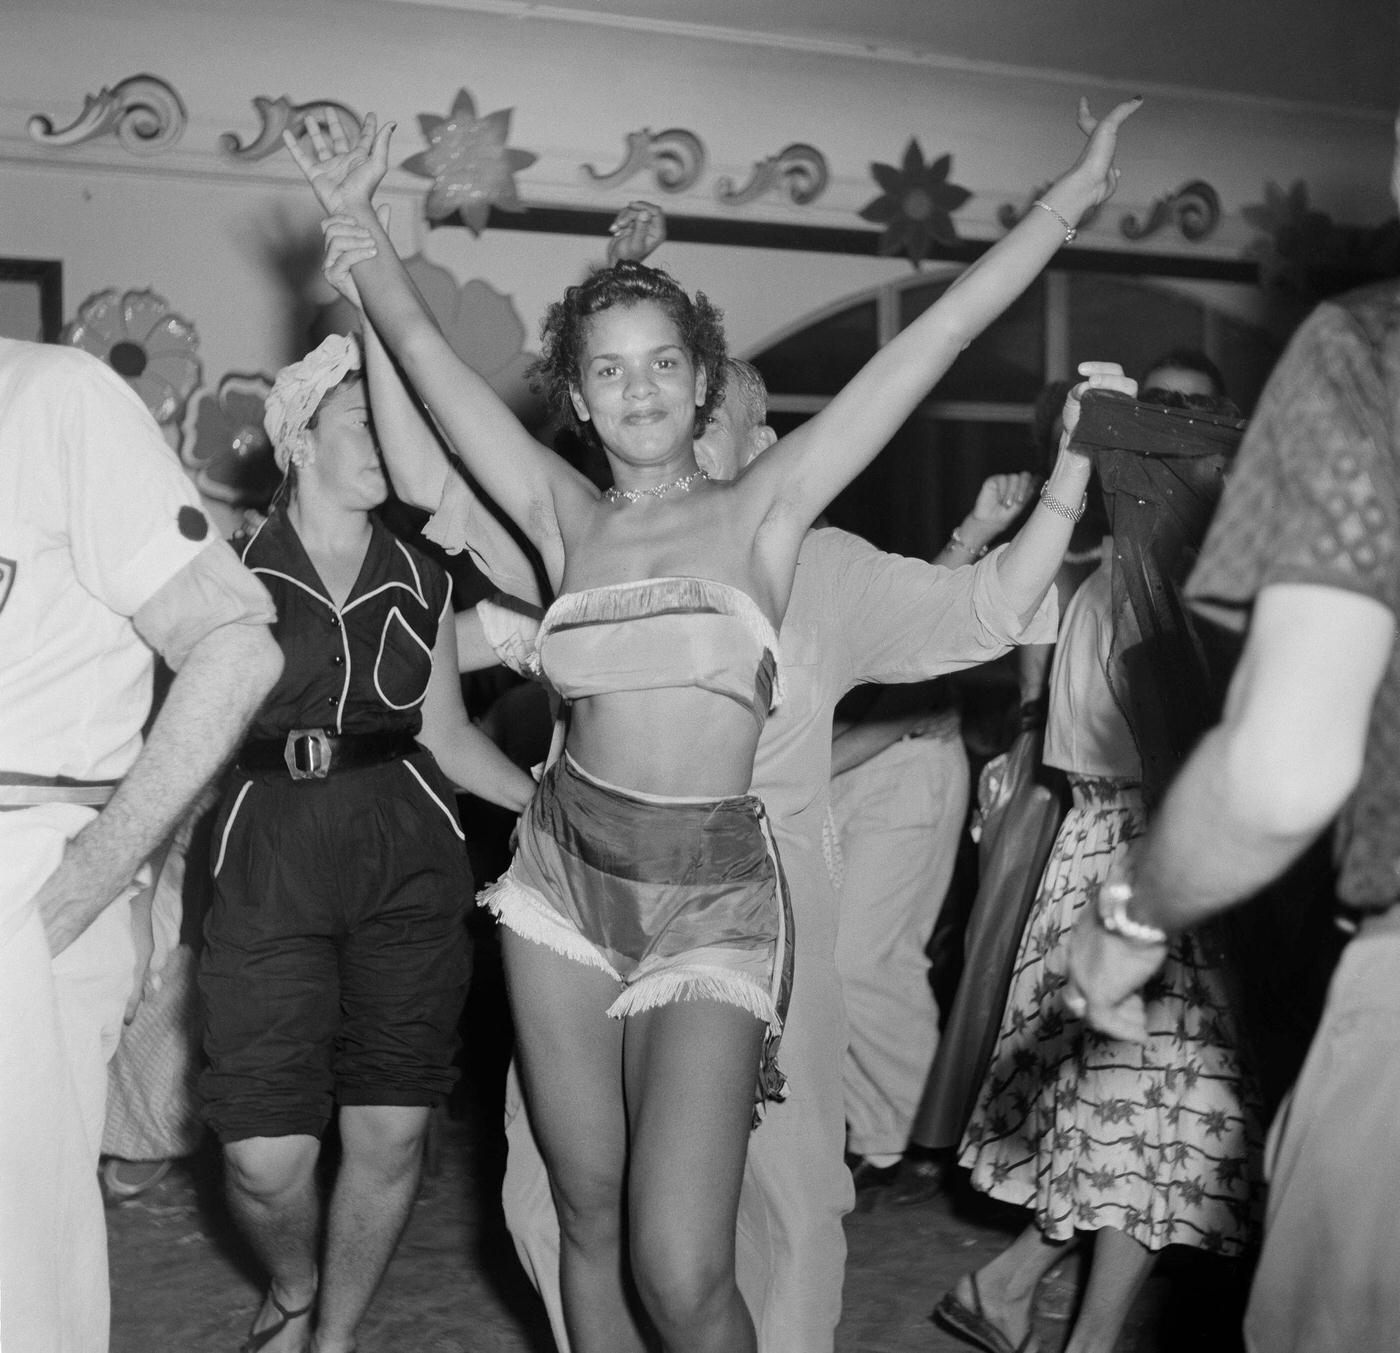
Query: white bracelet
x=1062 y=508
x=1070 y=231
x=1113 y=915
x=975 y=551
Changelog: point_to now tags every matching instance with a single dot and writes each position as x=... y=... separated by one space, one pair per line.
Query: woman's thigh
x=570 y=1060
x=691 y=1072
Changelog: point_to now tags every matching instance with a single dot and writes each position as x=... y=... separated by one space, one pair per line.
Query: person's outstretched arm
x=213 y=698
x=807 y=468
x=1028 y=565
x=467 y=756
x=1257 y=791
x=529 y=482
x=417 y=461
x=999 y=502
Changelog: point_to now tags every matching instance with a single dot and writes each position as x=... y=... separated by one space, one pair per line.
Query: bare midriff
x=674 y=741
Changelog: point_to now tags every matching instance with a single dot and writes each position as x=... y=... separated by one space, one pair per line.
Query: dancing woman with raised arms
x=645 y=886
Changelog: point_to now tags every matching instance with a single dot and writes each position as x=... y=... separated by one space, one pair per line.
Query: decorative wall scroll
x=1008 y=214
x=280 y=115
x=675 y=156
x=799 y=168
x=1194 y=208
x=471 y=166
x=916 y=205
x=145 y=114
x=152 y=349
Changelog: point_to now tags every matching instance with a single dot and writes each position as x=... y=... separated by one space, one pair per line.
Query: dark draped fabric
x=1161 y=468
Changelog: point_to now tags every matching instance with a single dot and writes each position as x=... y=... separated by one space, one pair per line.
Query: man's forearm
x=211 y=701
x=1208 y=848
x=863 y=742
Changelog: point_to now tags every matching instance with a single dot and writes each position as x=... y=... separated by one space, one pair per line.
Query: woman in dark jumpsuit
x=337 y=958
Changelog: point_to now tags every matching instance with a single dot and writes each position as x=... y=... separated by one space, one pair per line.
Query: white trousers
x=60 y=1020
x=899 y=817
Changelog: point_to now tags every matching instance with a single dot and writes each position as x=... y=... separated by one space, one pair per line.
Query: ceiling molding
x=890 y=53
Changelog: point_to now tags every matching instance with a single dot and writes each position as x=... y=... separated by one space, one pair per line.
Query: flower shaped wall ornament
x=226 y=445
x=471 y=166
x=916 y=204
x=152 y=349
x=481 y=325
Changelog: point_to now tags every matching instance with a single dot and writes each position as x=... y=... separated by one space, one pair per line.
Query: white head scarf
x=297 y=393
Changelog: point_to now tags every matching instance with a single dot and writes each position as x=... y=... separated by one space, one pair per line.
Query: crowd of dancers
x=690 y=890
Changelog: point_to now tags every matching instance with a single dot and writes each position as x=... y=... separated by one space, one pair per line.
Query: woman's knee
x=683 y=1285
x=266 y=1167
x=589 y=1209
x=386 y=1138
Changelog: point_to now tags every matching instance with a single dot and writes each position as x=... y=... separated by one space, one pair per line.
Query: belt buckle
x=307 y=754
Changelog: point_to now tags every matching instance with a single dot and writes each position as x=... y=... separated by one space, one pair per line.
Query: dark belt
x=19 y=789
x=313 y=753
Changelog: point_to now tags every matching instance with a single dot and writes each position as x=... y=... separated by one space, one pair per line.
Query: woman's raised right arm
x=528 y=481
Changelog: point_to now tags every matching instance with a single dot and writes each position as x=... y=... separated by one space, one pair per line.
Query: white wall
x=205 y=232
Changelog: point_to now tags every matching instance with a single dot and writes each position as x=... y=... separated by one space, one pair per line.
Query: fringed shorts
x=677 y=898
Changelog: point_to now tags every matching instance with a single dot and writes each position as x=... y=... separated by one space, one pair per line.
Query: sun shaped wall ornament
x=226 y=446
x=471 y=166
x=151 y=348
x=915 y=205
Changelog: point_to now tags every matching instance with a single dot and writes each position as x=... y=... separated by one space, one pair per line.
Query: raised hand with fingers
x=638 y=230
x=343 y=174
x=1001 y=499
x=1095 y=161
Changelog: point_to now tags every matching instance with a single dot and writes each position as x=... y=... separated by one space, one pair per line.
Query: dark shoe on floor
x=972 y=1324
x=921 y=1179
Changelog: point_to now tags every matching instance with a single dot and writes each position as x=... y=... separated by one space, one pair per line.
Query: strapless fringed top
x=659 y=633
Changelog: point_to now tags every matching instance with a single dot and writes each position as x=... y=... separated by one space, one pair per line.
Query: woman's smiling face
x=638 y=384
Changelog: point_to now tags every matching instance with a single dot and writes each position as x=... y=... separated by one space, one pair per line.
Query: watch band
x=1112 y=909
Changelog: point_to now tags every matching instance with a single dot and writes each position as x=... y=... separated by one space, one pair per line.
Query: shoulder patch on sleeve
x=193 y=524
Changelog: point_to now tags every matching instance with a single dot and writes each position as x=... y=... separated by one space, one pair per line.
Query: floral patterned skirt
x=1161 y=1142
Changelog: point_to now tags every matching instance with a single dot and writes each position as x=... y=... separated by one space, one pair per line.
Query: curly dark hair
x=626 y=284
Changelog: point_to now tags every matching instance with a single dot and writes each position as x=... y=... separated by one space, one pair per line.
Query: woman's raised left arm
x=806 y=469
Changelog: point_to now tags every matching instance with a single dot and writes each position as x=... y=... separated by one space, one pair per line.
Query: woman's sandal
x=973 y=1324
x=262 y=1338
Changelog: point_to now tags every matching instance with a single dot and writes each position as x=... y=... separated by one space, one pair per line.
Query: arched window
x=975 y=423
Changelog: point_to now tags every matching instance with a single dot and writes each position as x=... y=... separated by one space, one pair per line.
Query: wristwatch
x=1112 y=908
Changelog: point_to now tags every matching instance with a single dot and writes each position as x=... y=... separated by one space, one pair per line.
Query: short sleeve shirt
x=95 y=518
x=1314 y=497
x=358 y=668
